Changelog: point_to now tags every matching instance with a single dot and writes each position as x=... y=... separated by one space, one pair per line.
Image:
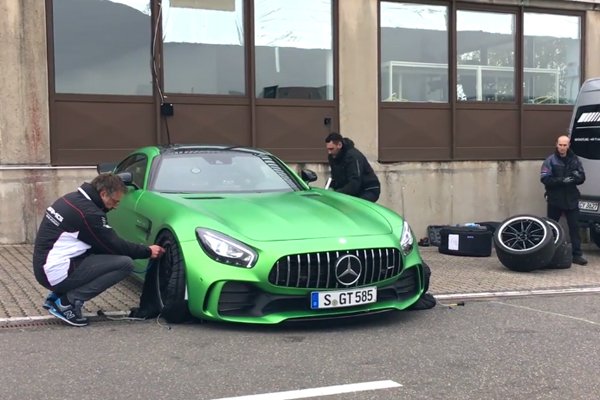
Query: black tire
x=426 y=276
x=426 y=300
x=595 y=236
x=170 y=281
x=557 y=232
x=524 y=243
x=563 y=257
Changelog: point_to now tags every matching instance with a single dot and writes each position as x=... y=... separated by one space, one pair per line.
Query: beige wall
x=424 y=193
x=26 y=192
x=592 y=44
x=432 y=193
x=24 y=123
x=440 y=193
x=358 y=67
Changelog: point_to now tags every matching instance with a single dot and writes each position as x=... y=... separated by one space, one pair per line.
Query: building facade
x=454 y=103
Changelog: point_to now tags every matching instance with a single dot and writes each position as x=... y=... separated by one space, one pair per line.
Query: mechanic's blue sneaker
x=71 y=314
x=50 y=299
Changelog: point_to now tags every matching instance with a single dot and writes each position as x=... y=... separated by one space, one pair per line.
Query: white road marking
x=322 y=391
x=547 y=312
x=515 y=293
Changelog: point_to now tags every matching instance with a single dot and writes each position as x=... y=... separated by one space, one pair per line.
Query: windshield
x=222 y=171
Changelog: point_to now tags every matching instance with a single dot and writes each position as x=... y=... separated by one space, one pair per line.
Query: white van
x=584 y=131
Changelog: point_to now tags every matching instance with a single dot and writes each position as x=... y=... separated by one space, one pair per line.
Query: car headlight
x=225 y=249
x=407 y=240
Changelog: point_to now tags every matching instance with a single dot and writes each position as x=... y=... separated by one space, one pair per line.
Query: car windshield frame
x=220 y=171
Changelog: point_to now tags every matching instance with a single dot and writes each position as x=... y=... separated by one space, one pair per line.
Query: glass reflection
x=485 y=56
x=551 y=55
x=203 y=45
x=294 y=57
x=102 y=47
x=414 y=52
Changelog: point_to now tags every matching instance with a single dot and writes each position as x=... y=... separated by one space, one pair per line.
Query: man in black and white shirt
x=77 y=255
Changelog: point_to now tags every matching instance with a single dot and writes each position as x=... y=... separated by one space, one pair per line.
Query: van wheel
x=595 y=236
x=524 y=243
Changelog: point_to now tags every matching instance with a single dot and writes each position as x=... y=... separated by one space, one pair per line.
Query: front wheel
x=170 y=280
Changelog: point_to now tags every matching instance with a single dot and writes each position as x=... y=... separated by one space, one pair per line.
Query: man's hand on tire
x=156 y=250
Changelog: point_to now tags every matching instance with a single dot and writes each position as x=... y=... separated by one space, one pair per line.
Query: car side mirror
x=105 y=167
x=127 y=178
x=308 y=175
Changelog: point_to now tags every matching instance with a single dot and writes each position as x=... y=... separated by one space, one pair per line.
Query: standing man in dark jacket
x=561 y=173
x=351 y=173
x=77 y=255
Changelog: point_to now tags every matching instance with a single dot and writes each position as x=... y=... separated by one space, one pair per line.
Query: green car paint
x=256 y=241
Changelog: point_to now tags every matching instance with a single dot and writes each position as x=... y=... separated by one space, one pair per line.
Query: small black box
x=474 y=241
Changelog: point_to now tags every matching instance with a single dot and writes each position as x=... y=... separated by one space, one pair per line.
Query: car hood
x=290 y=216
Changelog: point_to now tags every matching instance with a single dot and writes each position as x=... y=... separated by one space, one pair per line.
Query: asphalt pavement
x=537 y=347
x=453 y=278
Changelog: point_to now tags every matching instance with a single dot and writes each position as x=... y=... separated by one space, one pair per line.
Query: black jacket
x=74 y=227
x=351 y=173
x=554 y=169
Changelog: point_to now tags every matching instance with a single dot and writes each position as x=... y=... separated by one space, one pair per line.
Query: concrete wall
x=440 y=193
x=25 y=192
x=358 y=69
x=424 y=193
x=592 y=44
x=24 y=126
x=431 y=193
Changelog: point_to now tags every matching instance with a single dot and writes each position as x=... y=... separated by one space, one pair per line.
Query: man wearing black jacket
x=351 y=173
x=561 y=173
x=77 y=255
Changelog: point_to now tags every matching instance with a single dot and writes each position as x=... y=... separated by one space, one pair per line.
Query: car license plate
x=343 y=298
x=588 y=205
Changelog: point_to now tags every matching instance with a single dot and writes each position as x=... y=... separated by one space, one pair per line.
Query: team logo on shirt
x=53 y=216
x=105 y=223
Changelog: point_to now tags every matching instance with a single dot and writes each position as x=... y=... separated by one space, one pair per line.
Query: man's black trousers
x=572 y=217
x=94 y=275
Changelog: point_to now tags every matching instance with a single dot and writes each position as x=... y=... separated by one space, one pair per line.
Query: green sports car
x=248 y=240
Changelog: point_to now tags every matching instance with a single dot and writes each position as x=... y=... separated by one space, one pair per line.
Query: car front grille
x=318 y=270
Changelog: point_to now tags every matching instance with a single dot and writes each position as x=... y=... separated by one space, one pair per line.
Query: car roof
x=198 y=148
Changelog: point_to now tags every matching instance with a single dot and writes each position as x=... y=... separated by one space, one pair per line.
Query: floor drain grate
x=30 y=323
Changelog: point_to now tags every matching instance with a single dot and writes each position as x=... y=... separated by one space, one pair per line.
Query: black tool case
x=474 y=241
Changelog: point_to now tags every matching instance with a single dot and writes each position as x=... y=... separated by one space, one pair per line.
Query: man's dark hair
x=109 y=182
x=333 y=137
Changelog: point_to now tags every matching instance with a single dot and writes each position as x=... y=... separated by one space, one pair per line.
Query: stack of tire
x=525 y=243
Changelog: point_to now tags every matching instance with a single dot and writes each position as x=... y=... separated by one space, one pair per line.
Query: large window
x=294 y=56
x=485 y=43
x=204 y=47
x=102 y=47
x=551 y=57
x=414 y=52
